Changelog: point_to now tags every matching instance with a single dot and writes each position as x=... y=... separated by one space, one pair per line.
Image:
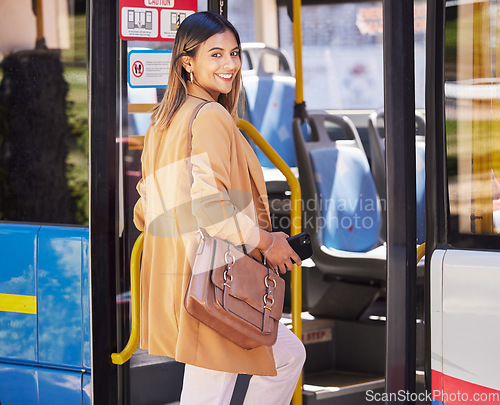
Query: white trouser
x=209 y=387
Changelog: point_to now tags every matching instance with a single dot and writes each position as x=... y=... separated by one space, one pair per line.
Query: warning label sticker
x=139 y=22
x=153 y=20
x=170 y=20
x=148 y=68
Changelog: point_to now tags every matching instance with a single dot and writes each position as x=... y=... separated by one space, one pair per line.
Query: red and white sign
x=317 y=336
x=137 y=68
x=153 y=20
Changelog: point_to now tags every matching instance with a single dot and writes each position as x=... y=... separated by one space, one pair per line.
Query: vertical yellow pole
x=296 y=216
x=297 y=49
x=39 y=20
x=495 y=125
x=464 y=107
x=481 y=125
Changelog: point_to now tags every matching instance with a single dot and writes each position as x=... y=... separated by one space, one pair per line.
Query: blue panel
x=59 y=387
x=86 y=389
x=60 y=296
x=17 y=276
x=349 y=203
x=17 y=259
x=18 y=385
x=18 y=336
x=86 y=302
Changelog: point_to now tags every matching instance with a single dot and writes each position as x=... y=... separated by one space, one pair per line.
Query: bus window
x=472 y=111
x=343 y=54
x=43 y=115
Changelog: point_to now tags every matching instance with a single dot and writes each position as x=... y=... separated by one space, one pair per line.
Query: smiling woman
x=199 y=172
x=216 y=64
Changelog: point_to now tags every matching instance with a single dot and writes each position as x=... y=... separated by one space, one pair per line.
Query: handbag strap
x=189 y=148
x=190 y=130
x=189 y=156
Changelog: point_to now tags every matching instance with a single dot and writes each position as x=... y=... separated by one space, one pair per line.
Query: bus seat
x=271 y=102
x=377 y=152
x=377 y=163
x=339 y=194
x=350 y=208
x=269 y=87
x=420 y=188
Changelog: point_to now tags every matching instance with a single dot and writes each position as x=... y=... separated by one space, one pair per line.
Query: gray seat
x=377 y=163
x=341 y=208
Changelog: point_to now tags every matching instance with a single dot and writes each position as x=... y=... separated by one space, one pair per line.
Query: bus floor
x=345 y=365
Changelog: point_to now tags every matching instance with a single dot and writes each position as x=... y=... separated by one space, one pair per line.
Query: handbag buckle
x=266 y=282
x=271 y=302
x=228 y=255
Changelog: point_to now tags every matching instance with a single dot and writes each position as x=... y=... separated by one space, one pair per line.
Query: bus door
x=463 y=175
x=129 y=59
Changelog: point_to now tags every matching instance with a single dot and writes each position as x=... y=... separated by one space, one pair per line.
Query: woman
x=217 y=186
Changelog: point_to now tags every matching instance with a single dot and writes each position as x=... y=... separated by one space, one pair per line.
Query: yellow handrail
x=135 y=276
x=420 y=252
x=295 y=228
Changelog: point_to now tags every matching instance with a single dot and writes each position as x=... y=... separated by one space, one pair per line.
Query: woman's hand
x=279 y=253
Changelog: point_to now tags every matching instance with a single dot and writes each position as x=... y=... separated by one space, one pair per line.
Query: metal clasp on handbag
x=228 y=277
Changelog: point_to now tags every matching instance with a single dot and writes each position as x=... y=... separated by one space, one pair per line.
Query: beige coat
x=227 y=198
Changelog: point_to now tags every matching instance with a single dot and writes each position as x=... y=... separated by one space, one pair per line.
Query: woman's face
x=216 y=63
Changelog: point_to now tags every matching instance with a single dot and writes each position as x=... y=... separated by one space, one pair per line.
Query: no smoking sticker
x=147 y=68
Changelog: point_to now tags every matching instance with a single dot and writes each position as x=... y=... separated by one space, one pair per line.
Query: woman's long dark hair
x=193 y=31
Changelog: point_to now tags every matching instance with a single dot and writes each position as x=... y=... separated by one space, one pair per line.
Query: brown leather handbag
x=234 y=294
x=231 y=292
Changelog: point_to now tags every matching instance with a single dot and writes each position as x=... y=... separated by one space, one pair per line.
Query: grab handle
x=135 y=274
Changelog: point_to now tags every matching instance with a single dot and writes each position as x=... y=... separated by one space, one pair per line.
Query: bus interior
x=377 y=317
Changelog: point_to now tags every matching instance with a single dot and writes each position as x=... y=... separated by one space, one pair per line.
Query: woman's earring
x=191 y=76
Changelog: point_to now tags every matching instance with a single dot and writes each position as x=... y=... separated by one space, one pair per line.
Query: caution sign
x=148 y=68
x=153 y=20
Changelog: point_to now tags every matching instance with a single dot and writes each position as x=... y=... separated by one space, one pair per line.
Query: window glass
x=43 y=113
x=343 y=54
x=473 y=115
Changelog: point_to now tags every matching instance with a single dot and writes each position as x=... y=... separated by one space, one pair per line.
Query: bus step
x=339 y=387
x=157 y=380
x=154 y=380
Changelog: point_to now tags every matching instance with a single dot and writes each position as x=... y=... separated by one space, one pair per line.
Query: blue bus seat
x=270 y=103
x=420 y=188
x=344 y=219
x=270 y=99
x=349 y=199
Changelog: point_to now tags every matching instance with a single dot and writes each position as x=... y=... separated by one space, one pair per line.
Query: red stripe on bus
x=454 y=391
